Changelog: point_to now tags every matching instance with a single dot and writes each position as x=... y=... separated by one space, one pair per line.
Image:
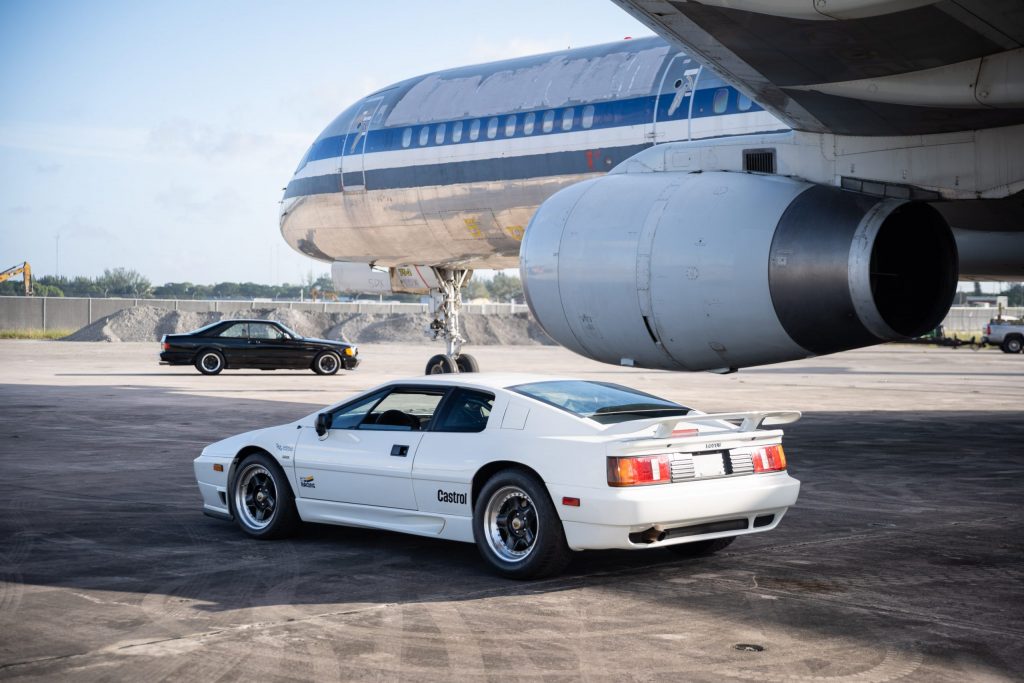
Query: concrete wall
x=56 y=313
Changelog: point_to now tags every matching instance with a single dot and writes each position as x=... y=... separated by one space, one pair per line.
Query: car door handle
x=399 y=450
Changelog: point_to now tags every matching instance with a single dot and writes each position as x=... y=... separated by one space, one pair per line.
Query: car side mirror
x=323 y=423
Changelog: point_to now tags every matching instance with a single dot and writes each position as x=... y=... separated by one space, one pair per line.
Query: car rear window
x=600 y=401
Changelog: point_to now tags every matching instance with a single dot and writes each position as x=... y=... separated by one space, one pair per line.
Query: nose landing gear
x=450 y=282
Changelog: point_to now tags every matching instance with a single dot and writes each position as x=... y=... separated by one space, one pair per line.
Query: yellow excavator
x=22 y=269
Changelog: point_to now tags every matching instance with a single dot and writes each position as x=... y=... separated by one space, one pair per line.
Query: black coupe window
x=264 y=331
x=600 y=401
x=241 y=330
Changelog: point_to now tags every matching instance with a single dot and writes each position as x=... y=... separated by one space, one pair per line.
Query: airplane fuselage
x=448 y=168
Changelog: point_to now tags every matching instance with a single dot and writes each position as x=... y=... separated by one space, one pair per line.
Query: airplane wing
x=859 y=67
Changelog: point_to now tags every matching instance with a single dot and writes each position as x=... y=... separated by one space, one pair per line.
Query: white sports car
x=529 y=468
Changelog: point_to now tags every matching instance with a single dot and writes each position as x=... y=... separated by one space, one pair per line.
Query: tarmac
x=903 y=560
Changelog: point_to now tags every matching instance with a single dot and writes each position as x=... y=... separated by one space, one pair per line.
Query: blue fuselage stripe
x=606 y=115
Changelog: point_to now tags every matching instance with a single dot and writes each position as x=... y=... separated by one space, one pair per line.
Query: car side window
x=240 y=330
x=262 y=331
x=465 y=411
x=404 y=410
x=350 y=416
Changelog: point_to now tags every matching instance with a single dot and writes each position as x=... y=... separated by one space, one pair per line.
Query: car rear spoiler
x=743 y=422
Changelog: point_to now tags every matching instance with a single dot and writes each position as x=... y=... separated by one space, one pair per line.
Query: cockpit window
x=600 y=401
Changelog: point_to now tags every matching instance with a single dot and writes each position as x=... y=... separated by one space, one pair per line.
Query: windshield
x=600 y=401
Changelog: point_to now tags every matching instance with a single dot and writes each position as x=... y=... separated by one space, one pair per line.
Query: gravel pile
x=148 y=323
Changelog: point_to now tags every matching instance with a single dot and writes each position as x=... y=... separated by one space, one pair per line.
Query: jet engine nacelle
x=720 y=270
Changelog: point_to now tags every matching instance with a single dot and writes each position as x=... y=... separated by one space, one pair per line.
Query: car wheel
x=517 y=529
x=441 y=365
x=466 y=363
x=1012 y=345
x=327 y=363
x=702 y=548
x=210 y=362
x=261 y=498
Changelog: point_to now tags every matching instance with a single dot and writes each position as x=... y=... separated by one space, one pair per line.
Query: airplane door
x=672 y=108
x=353 y=167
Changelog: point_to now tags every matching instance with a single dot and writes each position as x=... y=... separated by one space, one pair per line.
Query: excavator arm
x=23 y=269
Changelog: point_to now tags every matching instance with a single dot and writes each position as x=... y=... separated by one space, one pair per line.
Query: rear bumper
x=175 y=358
x=688 y=511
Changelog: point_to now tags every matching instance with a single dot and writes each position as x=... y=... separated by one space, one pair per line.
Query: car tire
x=210 y=362
x=327 y=363
x=1012 y=345
x=517 y=529
x=441 y=365
x=702 y=548
x=261 y=498
x=467 y=363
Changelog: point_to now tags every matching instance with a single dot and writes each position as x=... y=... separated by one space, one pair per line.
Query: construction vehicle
x=322 y=294
x=22 y=269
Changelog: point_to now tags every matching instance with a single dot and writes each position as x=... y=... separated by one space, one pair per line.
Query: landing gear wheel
x=261 y=498
x=441 y=365
x=1012 y=345
x=466 y=363
x=327 y=363
x=210 y=362
x=517 y=529
x=702 y=548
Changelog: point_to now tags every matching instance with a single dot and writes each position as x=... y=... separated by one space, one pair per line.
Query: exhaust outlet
x=653 y=535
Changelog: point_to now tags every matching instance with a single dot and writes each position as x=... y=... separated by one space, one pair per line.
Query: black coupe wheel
x=210 y=362
x=327 y=363
x=466 y=363
x=261 y=498
x=441 y=365
x=702 y=548
x=517 y=529
x=1012 y=345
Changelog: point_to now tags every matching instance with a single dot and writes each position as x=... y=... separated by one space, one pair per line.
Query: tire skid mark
x=896 y=664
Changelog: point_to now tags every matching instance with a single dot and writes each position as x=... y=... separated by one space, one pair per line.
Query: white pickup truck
x=1006 y=334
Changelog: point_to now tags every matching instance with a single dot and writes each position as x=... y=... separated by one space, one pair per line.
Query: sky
x=159 y=135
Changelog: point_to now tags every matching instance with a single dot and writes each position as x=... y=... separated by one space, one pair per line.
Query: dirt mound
x=149 y=323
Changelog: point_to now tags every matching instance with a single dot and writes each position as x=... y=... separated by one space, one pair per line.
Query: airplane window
x=567 y=118
x=721 y=101
x=424 y=135
x=439 y=135
x=744 y=102
x=492 y=127
x=548 y=122
x=510 y=126
x=457 y=131
x=588 y=116
x=474 y=130
x=406 y=137
x=528 y=123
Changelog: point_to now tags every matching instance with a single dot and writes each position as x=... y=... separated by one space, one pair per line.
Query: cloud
x=19 y=210
x=73 y=140
x=187 y=138
x=49 y=169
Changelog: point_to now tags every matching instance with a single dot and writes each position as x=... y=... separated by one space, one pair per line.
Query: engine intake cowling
x=719 y=270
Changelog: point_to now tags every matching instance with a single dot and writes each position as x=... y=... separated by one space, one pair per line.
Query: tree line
x=130 y=284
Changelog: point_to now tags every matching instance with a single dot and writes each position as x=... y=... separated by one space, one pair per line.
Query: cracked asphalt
x=903 y=560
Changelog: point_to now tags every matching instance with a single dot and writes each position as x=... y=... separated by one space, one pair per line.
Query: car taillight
x=769 y=459
x=165 y=346
x=988 y=329
x=639 y=470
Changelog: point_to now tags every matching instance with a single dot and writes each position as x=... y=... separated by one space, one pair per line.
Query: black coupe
x=263 y=344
